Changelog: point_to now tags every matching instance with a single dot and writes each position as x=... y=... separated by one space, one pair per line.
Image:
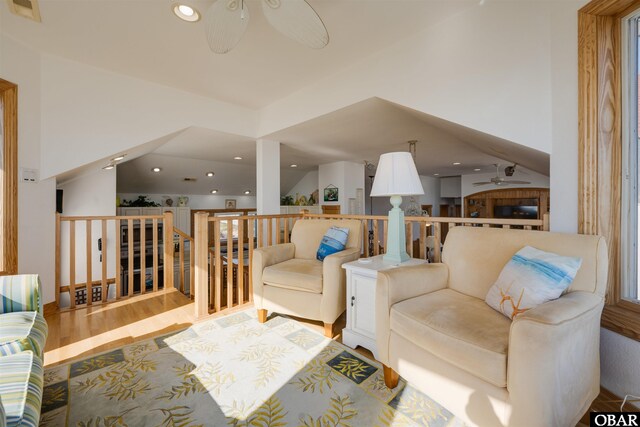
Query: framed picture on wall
x=230 y=204
x=331 y=194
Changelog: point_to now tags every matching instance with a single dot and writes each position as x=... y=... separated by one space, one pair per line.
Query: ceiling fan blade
x=482 y=183
x=517 y=182
x=225 y=23
x=296 y=19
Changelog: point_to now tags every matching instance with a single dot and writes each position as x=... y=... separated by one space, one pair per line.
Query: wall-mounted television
x=515 y=212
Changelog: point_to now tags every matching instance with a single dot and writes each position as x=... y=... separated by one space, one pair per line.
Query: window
x=8 y=178
x=630 y=162
x=608 y=149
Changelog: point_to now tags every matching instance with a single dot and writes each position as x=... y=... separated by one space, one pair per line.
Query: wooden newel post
x=167 y=240
x=200 y=253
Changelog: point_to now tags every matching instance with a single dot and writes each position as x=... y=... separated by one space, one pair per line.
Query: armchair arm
x=334 y=293
x=555 y=347
x=264 y=257
x=20 y=293
x=400 y=284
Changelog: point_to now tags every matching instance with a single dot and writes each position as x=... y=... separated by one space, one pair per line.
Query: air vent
x=25 y=8
x=190 y=179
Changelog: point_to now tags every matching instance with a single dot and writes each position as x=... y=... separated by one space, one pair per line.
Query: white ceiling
x=360 y=132
x=144 y=39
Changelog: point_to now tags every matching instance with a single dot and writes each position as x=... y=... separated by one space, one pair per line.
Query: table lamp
x=396 y=176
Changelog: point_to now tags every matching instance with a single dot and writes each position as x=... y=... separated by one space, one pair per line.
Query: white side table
x=361 y=300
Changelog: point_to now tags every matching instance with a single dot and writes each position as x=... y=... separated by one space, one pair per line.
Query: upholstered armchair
x=434 y=328
x=288 y=279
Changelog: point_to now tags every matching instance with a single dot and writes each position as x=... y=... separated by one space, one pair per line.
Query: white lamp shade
x=396 y=176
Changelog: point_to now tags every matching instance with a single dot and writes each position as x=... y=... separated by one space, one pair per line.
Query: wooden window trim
x=600 y=145
x=9 y=180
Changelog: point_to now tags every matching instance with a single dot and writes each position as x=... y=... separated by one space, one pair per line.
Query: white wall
x=89 y=194
x=431 y=196
x=537 y=181
x=96 y=113
x=307 y=185
x=196 y=201
x=36 y=201
x=347 y=176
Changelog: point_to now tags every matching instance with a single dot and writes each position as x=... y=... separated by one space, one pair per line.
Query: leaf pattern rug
x=233 y=371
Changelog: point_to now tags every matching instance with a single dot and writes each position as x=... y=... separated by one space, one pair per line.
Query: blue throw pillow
x=333 y=241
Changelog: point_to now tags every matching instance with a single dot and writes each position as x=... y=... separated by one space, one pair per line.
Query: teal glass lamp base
x=396 y=241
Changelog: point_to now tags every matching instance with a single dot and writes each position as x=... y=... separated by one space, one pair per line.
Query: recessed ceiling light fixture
x=293 y=166
x=214 y=191
x=156 y=169
x=456 y=163
x=237 y=158
x=109 y=167
x=476 y=170
x=247 y=192
x=118 y=158
x=186 y=12
x=436 y=174
x=210 y=174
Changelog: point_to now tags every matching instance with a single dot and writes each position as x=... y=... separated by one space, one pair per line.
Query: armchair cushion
x=458 y=328
x=332 y=242
x=21 y=384
x=22 y=331
x=20 y=293
x=532 y=277
x=296 y=274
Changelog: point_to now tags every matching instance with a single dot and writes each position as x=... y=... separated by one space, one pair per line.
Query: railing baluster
x=251 y=225
x=229 y=263
x=200 y=247
x=408 y=230
x=58 y=260
x=130 y=254
x=423 y=240
x=278 y=240
x=218 y=265
x=240 y=279
x=437 y=237
x=89 y=287
x=72 y=264
x=192 y=269
x=143 y=256
x=376 y=238
x=286 y=230
x=155 y=255
x=118 y=259
x=167 y=241
x=104 y=261
x=269 y=232
x=365 y=238
x=259 y=236
x=181 y=261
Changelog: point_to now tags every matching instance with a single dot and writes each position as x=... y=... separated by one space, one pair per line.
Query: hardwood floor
x=86 y=331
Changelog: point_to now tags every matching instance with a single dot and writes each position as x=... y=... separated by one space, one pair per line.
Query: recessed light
x=118 y=158
x=247 y=192
x=456 y=163
x=214 y=191
x=210 y=174
x=186 y=12
x=237 y=158
x=156 y=169
x=477 y=170
x=293 y=166
x=436 y=174
x=109 y=167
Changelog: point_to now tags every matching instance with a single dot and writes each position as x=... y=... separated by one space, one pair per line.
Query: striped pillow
x=334 y=240
x=532 y=277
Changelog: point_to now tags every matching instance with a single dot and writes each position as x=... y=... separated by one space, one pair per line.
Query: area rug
x=233 y=371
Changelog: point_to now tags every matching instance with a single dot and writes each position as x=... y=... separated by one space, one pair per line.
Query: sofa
x=288 y=279
x=435 y=329
x=23 y=333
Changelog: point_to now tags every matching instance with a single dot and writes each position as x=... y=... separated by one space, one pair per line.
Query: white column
x=267 y=177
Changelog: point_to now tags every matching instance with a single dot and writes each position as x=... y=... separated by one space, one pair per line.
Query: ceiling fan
x=502 y=181
x=226 y=22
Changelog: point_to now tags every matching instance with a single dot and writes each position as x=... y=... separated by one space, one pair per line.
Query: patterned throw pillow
x=532 y=277
x=333 y=241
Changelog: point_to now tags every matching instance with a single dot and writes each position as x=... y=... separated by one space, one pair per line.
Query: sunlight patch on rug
x=234 y=371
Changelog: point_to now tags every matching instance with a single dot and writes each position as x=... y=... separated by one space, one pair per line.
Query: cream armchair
x=434 y=328
x=287 y=278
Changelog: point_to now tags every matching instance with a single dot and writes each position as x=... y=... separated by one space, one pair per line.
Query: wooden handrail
x=114 y=217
